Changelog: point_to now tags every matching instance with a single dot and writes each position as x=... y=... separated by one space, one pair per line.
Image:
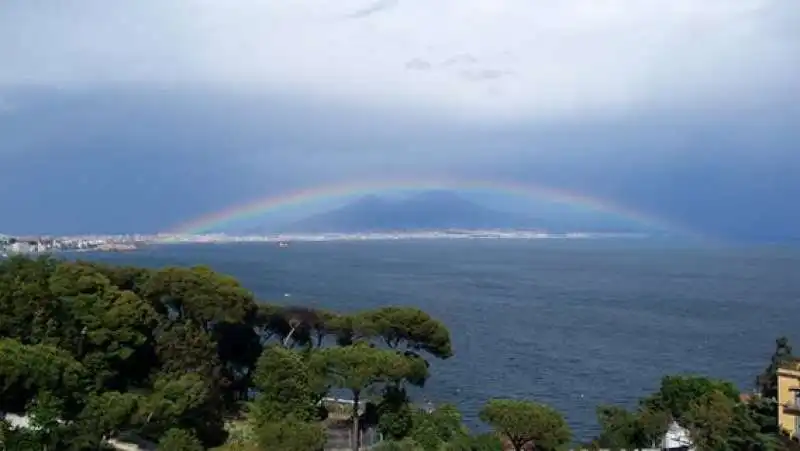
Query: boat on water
x=283 y=244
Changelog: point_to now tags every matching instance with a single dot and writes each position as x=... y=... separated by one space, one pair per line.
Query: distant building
x=20 y=247
x=789 y=400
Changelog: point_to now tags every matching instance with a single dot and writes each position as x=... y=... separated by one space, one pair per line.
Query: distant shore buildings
x=11 y=245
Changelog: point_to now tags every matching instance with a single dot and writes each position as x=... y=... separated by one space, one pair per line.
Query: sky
x=140 y=116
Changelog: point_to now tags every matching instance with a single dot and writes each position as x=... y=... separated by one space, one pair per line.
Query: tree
x=348 y=329
x=213 y=314
x=94 y=352
x=718 y=423
x=710 y=409
x=432 y=430
x=282 y=379
x=295 y=325
x=27 y=308
x=360 y=367
x=125 y=278
x=411 y=327
x=524 y=422
x=27 y=370
x=395 y=417
x=269 y=322
x=284 y=412
x=110 y=331
x=237 y=350
x=179 y=440
x=767 y=382
x=764 y=411
x=710 y=419
x=678 y=393
x=186 y=402
x=47 y=428
x=104 y=416
x=199 y=295
x=185 y=347
x=300 y=324
x=622 y=429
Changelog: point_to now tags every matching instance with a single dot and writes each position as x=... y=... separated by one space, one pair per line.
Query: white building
x=19 y=248
x=677 y=438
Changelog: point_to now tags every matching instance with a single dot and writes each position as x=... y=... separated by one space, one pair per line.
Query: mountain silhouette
x=429 y=210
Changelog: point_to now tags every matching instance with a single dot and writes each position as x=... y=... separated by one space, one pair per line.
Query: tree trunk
x=356 y=430
x=289 y=337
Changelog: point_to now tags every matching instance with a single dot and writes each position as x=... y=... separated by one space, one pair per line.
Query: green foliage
x=28 y=311
x=710 y=409
x=186 y=402
x=19 y=440
x=395 y=415
x=624 y=429
x=214 y=314
x=199 y=295
x=412 y=327
x=25 y=370
x=433 y=430
x=186 y=347
x=47 y=429
x=105 y=415
x=90 y=352
x=764 y=411
x=179 y=440
x=678 y=393
x=717 y=423
x=290 y=435
x=283 y=380
x=359 y=367
x=525 y=421
x=482 y=442
x=398 y=445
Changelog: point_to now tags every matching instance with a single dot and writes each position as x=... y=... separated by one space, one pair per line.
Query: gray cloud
x=377 y=7
x=462 y=59
x=484 y=75
x=418 y=64
x=572 y=57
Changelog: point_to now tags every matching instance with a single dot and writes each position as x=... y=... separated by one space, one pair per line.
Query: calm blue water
x=569 y=323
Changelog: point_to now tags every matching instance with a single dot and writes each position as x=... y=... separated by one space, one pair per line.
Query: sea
x=570 y=323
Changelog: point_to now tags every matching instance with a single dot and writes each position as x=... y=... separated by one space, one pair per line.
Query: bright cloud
x=504 y=59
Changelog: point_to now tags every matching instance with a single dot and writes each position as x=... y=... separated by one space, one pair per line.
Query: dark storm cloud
x=147 y=159
x=142 y=115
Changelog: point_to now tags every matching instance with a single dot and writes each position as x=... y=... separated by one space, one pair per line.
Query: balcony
x=792 y=406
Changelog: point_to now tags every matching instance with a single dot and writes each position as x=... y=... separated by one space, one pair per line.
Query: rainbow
x=328 y=193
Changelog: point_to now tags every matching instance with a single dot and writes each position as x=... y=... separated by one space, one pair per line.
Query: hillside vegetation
x=187 y=359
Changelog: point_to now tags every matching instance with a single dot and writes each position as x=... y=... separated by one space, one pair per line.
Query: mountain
x=429 y=210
